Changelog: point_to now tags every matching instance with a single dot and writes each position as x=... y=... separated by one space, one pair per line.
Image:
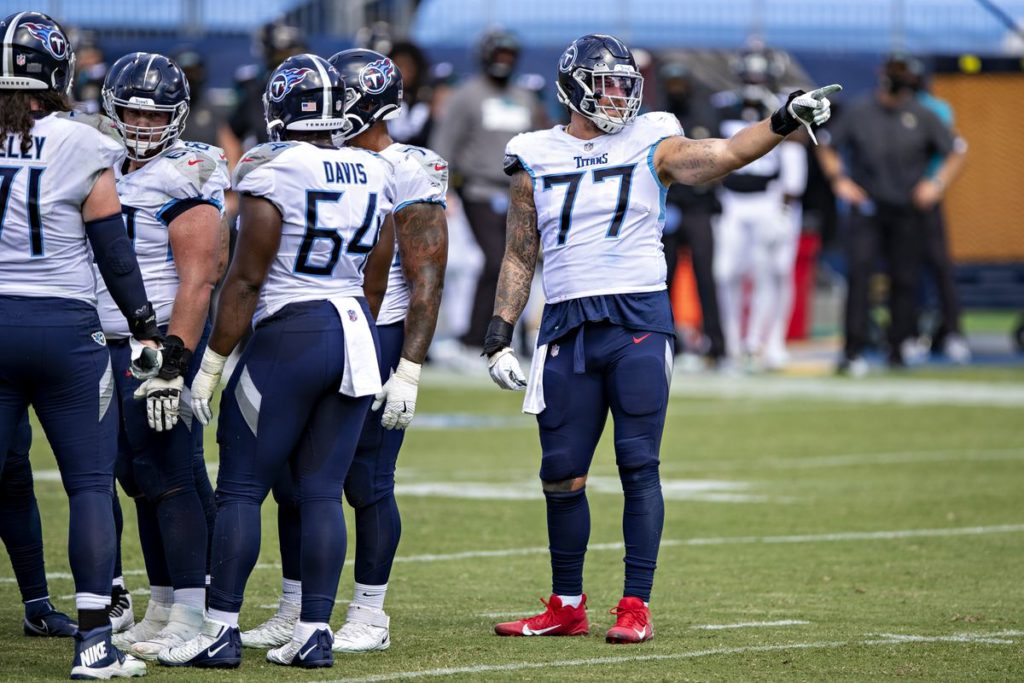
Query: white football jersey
x=180 y=177
x=43 y=247
x=600 y=207
x=421 y=176
x=332 y=204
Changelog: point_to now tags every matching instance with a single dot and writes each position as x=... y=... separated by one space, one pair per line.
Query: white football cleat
x=218 y=646
x=366 y=629
x=184 y=624
x=97 y=659
x=957 y=350
x=122 y=613
x=277 y=630
x=156 y=618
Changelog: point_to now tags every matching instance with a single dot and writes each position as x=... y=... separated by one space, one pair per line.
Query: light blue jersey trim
x=173 y=202
x=440 y=202
x=663 y=189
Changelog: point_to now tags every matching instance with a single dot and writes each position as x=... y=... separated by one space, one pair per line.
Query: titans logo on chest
x=583 y=162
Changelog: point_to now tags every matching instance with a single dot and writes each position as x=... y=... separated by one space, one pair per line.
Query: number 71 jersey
x=332 y=204
x=600 y=207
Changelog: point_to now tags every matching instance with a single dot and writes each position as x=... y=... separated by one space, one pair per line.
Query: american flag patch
x=309 y=106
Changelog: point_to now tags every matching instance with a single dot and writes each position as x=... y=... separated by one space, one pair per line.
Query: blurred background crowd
x=906 y=213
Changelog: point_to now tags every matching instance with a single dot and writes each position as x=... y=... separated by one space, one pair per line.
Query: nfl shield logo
x=99 y=338
x=20 y=60
x=352 y=315
x=554 y=350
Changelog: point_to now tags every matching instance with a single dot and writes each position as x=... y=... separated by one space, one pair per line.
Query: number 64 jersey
x=332 y=203
x=600 y=207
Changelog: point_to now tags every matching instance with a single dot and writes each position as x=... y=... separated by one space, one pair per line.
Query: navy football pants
x=282 y=406
x=592 y=370
x=53 y=357
x=20 y=526
x=369 y=488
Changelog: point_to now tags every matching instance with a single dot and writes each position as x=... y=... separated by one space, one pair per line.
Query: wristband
x=408 y=371
x=213 y=362
x=177 y=358
x=142 y=324
x=499 y=335
x=784 y=123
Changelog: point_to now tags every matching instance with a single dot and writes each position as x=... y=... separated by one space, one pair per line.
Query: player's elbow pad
x=116 y=262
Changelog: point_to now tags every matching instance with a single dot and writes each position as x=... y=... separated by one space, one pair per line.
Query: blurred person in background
x=759 y=230
x=947 y=336
x=692 y=207
x=275 y=42
x=481 y=116
x=414 y=121
x=90 y=70
x=889 y=140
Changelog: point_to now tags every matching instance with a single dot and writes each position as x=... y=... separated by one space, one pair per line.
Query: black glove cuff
x=142 y=324
x=784 y=123
x=177 y=358
x=499 y=335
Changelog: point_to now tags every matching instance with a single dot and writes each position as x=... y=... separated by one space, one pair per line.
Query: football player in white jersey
x=172 y=198
x=57 y=192
x=593 y=194
x=759 y=230
x=405 y=326
x=310 y=217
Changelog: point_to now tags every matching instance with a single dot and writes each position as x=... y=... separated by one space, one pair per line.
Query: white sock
x=229 y=618
x=207 y=579
x=369 y=596
x=193 y=597
x=162 y=594
x=91 y=601
x=305 y=629
x=571 y=600
x=118 y=581
x=291 y=591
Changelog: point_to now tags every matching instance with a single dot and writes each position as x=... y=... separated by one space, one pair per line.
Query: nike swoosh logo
x=439 y=167
x=640 y=633
x=303 y=655
x=193 y=162
x=527 y=631
x=212 y=652
x=637 y=340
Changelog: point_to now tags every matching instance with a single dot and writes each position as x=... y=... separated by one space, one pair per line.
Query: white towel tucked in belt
x=533 y=402
x=362 y=375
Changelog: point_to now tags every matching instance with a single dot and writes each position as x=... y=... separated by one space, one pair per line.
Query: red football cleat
x=556 y=620
x=633 y=624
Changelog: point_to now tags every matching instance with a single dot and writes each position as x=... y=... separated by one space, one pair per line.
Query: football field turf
x=816 y=529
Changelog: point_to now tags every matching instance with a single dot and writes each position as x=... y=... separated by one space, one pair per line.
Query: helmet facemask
x=360 y=121
x=611 y=98
x=145 y=142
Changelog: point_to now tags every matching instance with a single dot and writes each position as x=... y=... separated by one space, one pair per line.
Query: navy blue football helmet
x=37 y=54
x=305 y=93
x=153 y=83
x=599 y=80
x=373 y=88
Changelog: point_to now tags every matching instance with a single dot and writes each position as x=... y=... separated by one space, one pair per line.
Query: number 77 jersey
x=600 y=207
x=332 y=204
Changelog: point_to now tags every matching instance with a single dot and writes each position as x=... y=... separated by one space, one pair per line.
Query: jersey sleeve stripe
x=175 y=207
x=440 y=202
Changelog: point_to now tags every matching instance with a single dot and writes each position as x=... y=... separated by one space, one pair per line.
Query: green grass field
x=813 y=533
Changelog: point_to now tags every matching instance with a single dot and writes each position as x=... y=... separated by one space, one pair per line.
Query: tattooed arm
x=422 y=231
x=521 y=245
x=679 y=159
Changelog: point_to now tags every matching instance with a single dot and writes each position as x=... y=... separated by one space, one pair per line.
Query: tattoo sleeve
x=695 y=162
x=521 y=244
x=422 y=231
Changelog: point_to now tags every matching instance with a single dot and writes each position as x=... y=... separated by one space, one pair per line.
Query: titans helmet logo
x=568 y=59
x=375 y=77
x=54 y=41
x=285 y=80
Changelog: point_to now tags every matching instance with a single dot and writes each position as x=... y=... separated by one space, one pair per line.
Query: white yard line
x=721 y=540
x=751 y=624
x=999 y=638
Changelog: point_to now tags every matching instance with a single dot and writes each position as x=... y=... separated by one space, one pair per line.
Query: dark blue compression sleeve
x=120 y=271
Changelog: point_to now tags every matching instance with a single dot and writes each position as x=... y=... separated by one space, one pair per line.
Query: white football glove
x=205 y=383
x=505 y=370
x=398 y=396
x=813 y=107
x=162 y=401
